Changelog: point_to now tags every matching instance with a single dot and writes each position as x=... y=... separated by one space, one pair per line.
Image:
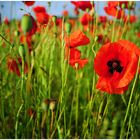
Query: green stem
x=129 y=103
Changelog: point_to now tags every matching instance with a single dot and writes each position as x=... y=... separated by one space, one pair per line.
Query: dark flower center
x=114 y=65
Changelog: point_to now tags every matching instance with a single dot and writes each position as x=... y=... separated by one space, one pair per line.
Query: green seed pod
x=26 y=23
x=21 y=50
x=68 y=27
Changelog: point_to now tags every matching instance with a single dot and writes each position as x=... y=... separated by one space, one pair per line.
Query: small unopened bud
x=16 y=33
x=54 y=18
x=52 y=104
x=21 y=50
x=123 y=6
x=68 y=27
x=26 y=23
x=96 y=38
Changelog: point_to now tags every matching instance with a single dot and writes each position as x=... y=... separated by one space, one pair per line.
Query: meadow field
x=71 y=77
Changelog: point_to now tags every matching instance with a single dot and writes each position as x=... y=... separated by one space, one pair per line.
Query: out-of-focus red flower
x=100 y=38
x=59 y=22
x=29 y=3
x=42 y=18
x=13 y=66
x=26 y=39
x=41 y=15
x=83 y=5
x=130 y=19
x=113 y=11
x=86 y=19
x=77 y=38
x=138 y=34
x=116 y=65
x=113 y=3
x=6 y=20
x=39 y=9
x=65 y=13
x=103 y=19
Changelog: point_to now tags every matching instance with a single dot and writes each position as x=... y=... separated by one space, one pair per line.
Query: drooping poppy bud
x=26 y=23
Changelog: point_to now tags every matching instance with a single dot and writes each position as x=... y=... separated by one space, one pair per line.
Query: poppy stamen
x=114 y=65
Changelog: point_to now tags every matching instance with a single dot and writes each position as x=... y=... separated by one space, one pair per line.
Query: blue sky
x=12 y=10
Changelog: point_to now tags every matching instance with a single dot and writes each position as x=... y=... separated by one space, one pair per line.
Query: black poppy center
x=114 y=65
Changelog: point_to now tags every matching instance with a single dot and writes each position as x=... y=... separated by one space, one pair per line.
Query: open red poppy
x=42 y=18
x=113 y=11
x=116 y=64
x=39 y=9
x=29 y=3
x=83 y=5
x=86 y=19
x=76 y=39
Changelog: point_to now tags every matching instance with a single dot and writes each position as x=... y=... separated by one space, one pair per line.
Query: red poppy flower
x=12 y=65
x=76 y=39
x=29 y=3
x=28 y=40
x=86 y=19
x=103 y=19
x=6 y=20
x=83 y=5
x=113 y=11
x=138 y=34
x=113 y=3
x=116 y=65
x=42 y=18
x=39 y=9
x=130 y=19
x=74 y=59
x=100 y=38
x=72 y=53
x=78 y=63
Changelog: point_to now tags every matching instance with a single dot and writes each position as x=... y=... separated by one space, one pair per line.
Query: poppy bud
x=123 y=6
x=26 y=23
x=68 y=27
x=96 y=38
x=21 y=51
x=16 y=33
x=54 y=18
